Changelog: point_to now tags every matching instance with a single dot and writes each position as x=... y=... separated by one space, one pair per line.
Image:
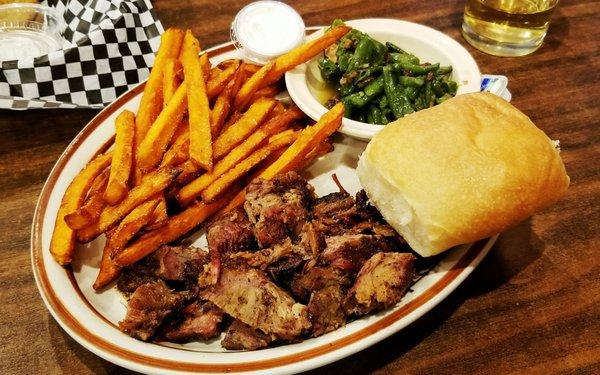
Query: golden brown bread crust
x=461 y=171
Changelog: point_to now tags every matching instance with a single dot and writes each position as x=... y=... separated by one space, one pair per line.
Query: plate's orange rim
x=68 y=320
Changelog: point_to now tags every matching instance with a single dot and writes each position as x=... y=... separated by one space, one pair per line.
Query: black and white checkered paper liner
x=109 y=47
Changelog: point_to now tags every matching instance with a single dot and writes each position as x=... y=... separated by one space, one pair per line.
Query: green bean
x=362 y=54
x=411 y=92
x=405 y=101
x=358 y=99
x=394 y=48
x=374 y=88
x=395 y=100
x=347 y=108
x=383 y=103
x=443 y=98
x=347 y=89
x=452 y=87
x=377 y=115
x=429 y=95
x=415 y=69
x=411 y=81
x=365 y=74
x=443 y=70
x=439 y=87
x=404 y=58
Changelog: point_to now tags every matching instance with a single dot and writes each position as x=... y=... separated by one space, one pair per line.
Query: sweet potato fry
x=152 y=184
x=220 y=112
x=216 y=85
x=150 y=152
x=251 y=68
x=172 y=78
x=159 y=217
x=250 y=120
x=189 y=170
x=199 y=111
x=321 y=149
x=130 y=225
x=118 y=238
x=120 y=170
x=232 y=119
x=176 y=227
x=226 y=63
x=310 y=137
x=62 y=244
x=293 y=156
x=305 y=52
x=228 y=178
x=178 y=152
x=152 y=98
x=192 y=190
x=214 y=72
x=108 y=271
x=266 y=92
x=92 y=207
x=205 y=65
x=254 y=83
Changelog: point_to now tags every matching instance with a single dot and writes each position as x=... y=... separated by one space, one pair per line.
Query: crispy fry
x=231 y=176
x=108 y=271
x=220 y=112
x=92 y=207
x=214 y=72
x=293 y=156
x=176 y=227
x=130 y=225
x=216 y=85
x=237 y=81
x=172 y=78
x=199 y=111
x=266 y=92
x=284 y=133
x=182 y=128
x=152 y=184
x=310 y=137
x=150 y=152
x=251 y=68
x=254 y=83
x=178 y=152
x=226 y=63
x=118 y=238
x=189 y=170
x=120 y=170
x=305 y=52
x=321 y=149
x=159 y=217
x=62 y=244
x=249 y=121
x=192 y=190
x=233 y=118
x=151 y=102
x=205 y=65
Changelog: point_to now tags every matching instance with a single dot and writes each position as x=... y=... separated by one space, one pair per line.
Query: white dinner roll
x=461 y=171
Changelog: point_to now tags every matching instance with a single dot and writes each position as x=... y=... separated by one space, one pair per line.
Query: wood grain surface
x=533 y=305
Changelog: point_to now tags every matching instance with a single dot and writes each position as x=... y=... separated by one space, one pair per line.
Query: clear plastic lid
x=28 y=30
x=266 y=29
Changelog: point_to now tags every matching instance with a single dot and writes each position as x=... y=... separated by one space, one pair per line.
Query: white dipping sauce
x=21 y=44
x=267 y=29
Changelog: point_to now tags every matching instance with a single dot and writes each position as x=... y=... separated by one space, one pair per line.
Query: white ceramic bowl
x=426 y=43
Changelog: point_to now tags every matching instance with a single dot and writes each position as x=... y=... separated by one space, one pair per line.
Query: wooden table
x=533 y=304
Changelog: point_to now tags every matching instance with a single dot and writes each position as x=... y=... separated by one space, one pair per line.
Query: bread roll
x=461 y=171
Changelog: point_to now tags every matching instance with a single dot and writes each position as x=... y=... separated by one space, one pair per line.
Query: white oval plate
x=426 y=43
x=91 y=318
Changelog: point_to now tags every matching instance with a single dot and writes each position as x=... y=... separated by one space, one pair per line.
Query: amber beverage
x=507 y=27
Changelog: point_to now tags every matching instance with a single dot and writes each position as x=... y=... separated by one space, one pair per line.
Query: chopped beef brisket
x=198 y=320
x=278 y=208
x=325 y=310
x=231 y=232
x=240 y=336
x=316 y=278
x=249 y=295
x=350 y=252
x=149 y=305
x=381 y=282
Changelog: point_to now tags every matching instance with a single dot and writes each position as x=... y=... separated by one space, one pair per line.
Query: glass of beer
x=507 y=27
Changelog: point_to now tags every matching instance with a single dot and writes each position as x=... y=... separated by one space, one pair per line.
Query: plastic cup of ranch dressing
x=266 y=29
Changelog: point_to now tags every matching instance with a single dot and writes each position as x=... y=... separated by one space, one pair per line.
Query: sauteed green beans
x=378 y=82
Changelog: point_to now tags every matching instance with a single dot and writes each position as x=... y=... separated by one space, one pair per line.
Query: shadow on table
x=514 y=251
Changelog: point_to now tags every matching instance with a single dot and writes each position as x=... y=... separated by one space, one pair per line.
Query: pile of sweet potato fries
x=201 y=133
